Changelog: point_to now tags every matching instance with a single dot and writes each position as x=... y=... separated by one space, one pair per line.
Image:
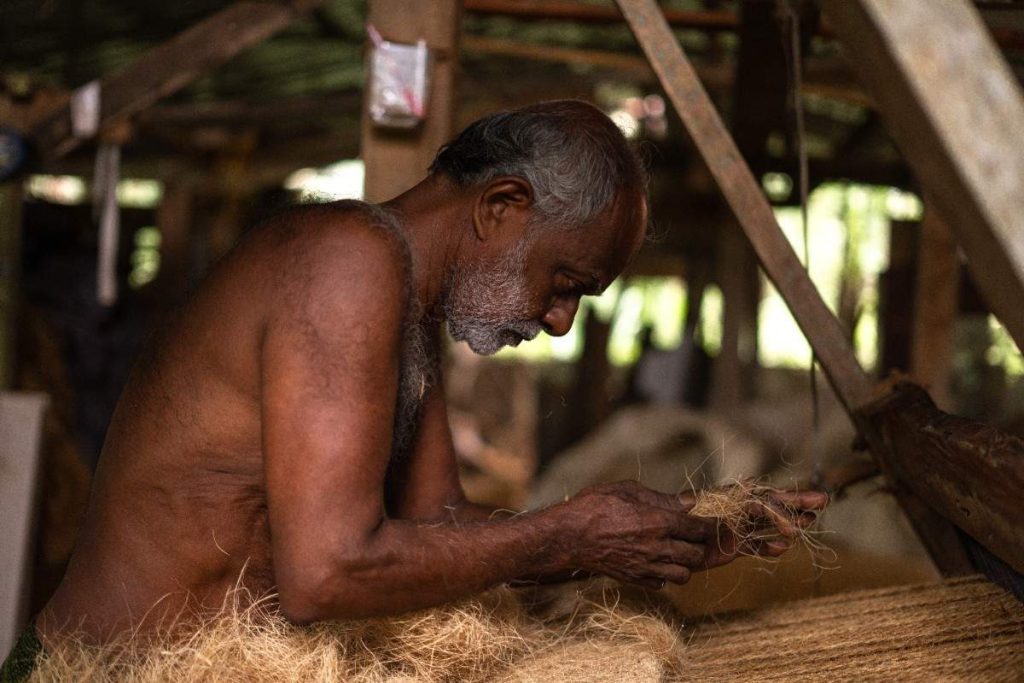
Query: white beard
x=481 y=304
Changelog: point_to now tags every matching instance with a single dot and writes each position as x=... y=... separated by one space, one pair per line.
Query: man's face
x=487 y=305
x=537 y=284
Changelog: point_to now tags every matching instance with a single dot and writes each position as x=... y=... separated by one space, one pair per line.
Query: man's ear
x=502 y=208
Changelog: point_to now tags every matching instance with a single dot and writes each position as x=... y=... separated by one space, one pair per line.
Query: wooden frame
x=900 y=428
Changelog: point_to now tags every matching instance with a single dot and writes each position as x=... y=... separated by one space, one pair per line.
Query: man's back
x=178 y=508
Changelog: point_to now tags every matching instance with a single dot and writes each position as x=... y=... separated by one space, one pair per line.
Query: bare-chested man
x=290 y=420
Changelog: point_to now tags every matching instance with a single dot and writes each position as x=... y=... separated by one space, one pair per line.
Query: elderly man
x=288 y=425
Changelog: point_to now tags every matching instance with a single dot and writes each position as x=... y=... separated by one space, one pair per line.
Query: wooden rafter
x=569 y=10
x=960 y=128
x=174 y=64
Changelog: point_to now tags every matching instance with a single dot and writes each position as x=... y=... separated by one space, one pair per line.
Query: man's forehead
x=627 y=233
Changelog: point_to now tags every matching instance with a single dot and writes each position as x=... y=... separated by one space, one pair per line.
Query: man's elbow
x=336 y=590
x=303 y=593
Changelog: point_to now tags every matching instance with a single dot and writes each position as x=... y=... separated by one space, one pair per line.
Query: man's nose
x=558 y=320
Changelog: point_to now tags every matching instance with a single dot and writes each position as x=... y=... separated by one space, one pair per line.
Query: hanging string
x=794 y=64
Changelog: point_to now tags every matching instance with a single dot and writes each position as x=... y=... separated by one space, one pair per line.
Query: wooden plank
x=960 y=128
x=743 y=193
x=935 y=308
x=970 y=473
x=174 y=64
x=397 y=160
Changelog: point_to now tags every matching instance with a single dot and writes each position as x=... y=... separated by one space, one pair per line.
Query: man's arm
x=426 y=486
x=330 y=358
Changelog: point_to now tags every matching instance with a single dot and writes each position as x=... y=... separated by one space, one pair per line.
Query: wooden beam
x=1009 y=35
x=174 y=64
x=397 y=160
x=743 y=193
x=935 y=308
x=956 y=112
x=567 y=10
x=969 y=472
x=236 y=112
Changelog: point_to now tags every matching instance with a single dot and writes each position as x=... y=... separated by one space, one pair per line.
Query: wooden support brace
x=174 y=64
x=829 y=341
x=956 y=112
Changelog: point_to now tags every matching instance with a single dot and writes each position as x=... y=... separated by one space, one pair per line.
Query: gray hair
x=574 y=157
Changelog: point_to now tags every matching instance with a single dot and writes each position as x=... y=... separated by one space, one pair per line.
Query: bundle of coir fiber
x=490 y=638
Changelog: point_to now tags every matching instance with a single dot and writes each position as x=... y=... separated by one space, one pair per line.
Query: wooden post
x=935 y=307
x=397 y=160
x=10 y=272
x=896 y=305
x=730 y=373
x=956 y=112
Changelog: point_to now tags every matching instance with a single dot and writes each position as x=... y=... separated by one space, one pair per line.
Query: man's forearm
x=408 y=565
x=475 y=512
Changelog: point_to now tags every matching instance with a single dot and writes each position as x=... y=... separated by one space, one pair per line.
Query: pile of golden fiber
x=489 y=638
x=963 y=630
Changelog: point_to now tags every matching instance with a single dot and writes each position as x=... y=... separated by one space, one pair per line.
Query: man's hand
x=636 y=535
x=773 y=520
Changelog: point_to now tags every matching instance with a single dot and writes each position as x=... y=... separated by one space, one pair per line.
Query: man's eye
x=571 y=288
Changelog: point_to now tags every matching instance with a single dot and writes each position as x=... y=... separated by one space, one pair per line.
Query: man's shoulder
x=340 y=247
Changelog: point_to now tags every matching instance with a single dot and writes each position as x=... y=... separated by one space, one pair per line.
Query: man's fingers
x=691 y=528
x=660 y=573
x=683 y=553
x=770 y=547
x=688 y=500
x=787 y=521
x=799 y=500
x=665 y=501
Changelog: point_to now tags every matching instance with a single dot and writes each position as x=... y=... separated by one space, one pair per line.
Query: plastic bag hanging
x=399 y=81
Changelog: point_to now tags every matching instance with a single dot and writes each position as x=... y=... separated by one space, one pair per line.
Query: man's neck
x=431 y=214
